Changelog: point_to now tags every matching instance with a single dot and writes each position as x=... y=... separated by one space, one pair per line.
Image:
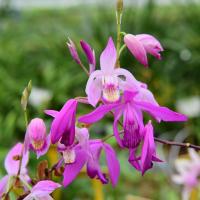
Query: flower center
x=111 y=91
x=37 y=144
x=69 y=156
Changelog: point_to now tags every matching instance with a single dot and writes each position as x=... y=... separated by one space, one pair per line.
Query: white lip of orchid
x=111 y=92
x=69 y=156
x=37 y=144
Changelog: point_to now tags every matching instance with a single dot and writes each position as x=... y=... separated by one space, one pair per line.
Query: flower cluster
x=110 y=89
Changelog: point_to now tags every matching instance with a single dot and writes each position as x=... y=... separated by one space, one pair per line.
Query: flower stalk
x=119 y=11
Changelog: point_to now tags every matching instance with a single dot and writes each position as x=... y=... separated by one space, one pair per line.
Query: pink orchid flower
x=42 y=190
x=63 y=125
x=140 y=45
x=88 y=152
x=36 y=138
x=189 y=172
x=131 y=107
x=108 y=81
x=12 y=165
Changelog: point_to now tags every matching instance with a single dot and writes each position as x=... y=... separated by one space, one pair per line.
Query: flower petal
x=98 y=113
x=117 y=115
x=63 y=122
x=11 y=164
x=93 y=166
x=163 y=113
x=151 y=44
x=136 y=48
x=133 y=160
x=72 y=170
x=44 y=187
x=52 y=113
x=108 y=57
x=3 y=185
x=113 y=164
x=148 y=148
x=93 y=87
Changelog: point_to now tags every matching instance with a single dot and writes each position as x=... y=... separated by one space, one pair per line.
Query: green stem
x=118 y=16
x=122 y=49
x=26 y=184
x=26 y=117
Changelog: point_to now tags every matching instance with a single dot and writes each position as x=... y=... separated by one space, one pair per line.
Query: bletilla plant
x=110 y=89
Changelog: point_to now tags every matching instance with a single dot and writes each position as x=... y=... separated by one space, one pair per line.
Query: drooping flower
x=108 y=82
x=88 y=152
x=140 y=45
x=42 y=190
x=63 y=125
x=90 y=54
x=73 y=51
x=12 y=165
x=189 y=172
x=131 y=107
x=36 y=138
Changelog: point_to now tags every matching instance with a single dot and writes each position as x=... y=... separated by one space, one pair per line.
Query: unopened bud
x=25 y=95
x=119 y=6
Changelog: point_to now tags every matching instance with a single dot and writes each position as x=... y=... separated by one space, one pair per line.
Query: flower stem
x=119 y=10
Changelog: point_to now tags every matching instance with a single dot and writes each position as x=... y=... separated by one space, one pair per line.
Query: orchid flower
x=42 y=190
x=12 y=165
x=108 y=82
x=63 y=125
x=140 y=45
x=90 y=54
x=88 y=152
x=189 y=172
x=131 y=108
x=35 y=138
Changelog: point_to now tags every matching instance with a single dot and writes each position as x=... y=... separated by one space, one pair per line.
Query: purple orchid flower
x=42 y=190
x=88 y=152
x=73 y=51
x=36 y=138
x=131 y=107
x=90 y=54
x=63 y=125
x=140 y=45
x=12 y=165
x=108 y=81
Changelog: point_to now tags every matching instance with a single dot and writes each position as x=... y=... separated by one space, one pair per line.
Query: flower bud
x=120 y=6
x=37 y=133
x=36 y=138
x=73 y=51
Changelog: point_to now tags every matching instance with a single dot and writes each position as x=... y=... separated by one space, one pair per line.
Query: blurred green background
x=33 y=46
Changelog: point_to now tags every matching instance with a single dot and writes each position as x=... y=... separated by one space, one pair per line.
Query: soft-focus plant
x=110 y=90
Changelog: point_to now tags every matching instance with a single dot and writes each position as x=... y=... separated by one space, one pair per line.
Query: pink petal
x=72 y=170
x=44 y=187
x=113 y=164
x=151 y=44
x=108 y=57
x=93 y=87
x=52 y=113
x=98 y=113
x=117 y=114
x=136 y=48
x=133 y=160
x=3 y=185
x=163 y=113
x=12 y=165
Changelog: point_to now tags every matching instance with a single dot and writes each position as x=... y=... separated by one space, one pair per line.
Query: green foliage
x=33 y=46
